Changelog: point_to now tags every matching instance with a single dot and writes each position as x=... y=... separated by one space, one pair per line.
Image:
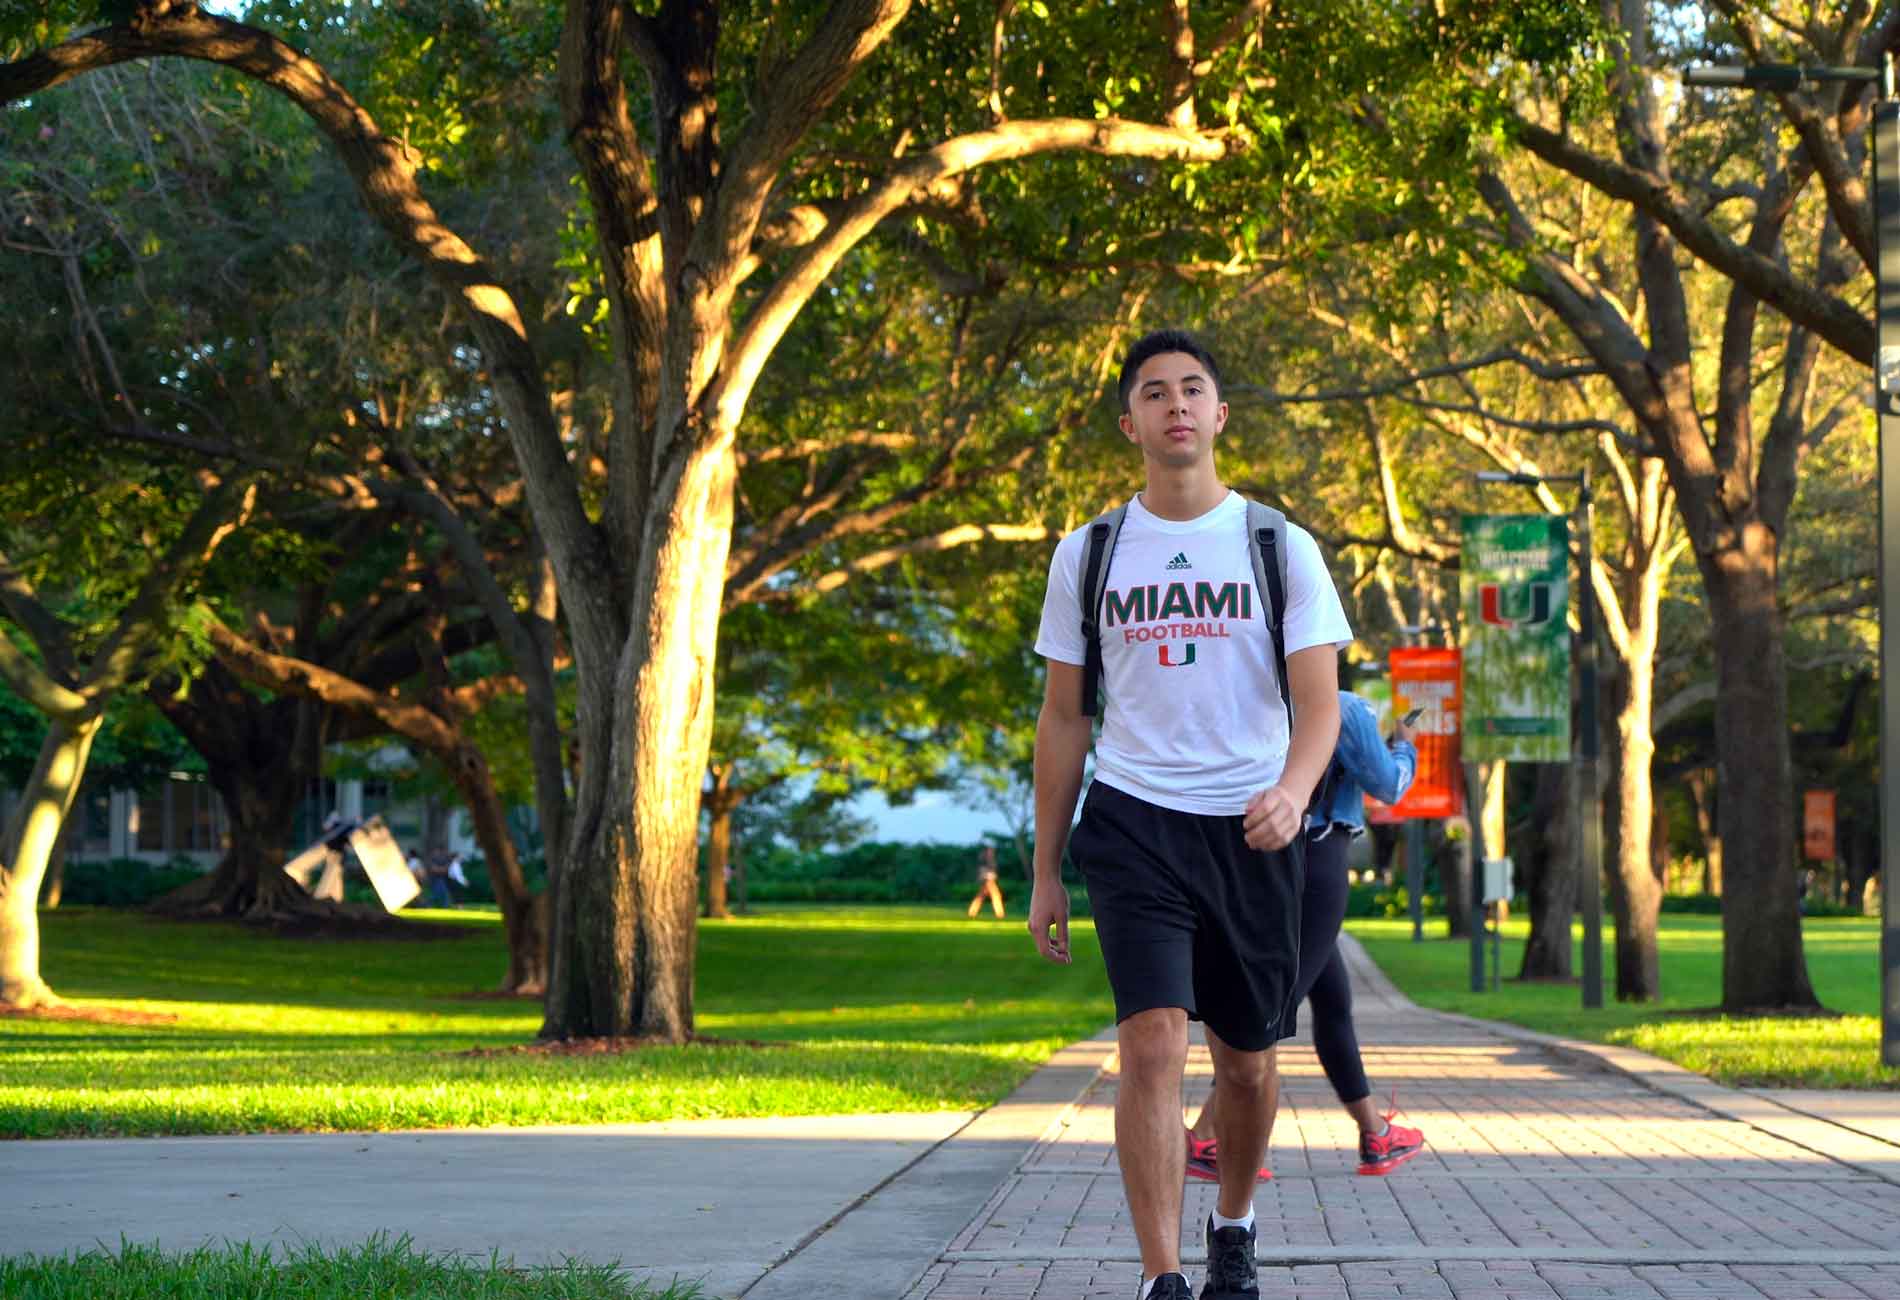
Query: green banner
x=1516 y=593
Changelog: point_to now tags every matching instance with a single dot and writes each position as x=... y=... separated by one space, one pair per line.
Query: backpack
x=1265 y=526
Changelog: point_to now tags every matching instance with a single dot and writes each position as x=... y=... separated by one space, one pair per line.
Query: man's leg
x=1246 y=1094
x=1322 y=909
x=1207 y=1123
x=996 y=899
x=1153 y=1048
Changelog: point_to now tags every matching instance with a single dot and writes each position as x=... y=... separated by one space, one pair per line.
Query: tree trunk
x=249 y=880
x=1548 y=954
x=260 y=757
x=55 y=886
x=718 y=858
x=36 y=823
x=1493 y=777
x=1703 y=797
x=1762 y=962
x=1455 y=864
x=435 y=828
x=1635 y=893
x=720 y=803
x=524 y=916
x=1658 y=834
x=1386 y=848
x=625 y=927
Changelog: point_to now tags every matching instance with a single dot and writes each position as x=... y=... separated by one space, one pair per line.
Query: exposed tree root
x=91 y=1015
x=611 y=1046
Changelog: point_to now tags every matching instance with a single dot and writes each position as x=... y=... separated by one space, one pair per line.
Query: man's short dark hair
x=1153 y=345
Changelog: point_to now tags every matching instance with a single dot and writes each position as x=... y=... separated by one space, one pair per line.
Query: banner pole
x=1590 y=842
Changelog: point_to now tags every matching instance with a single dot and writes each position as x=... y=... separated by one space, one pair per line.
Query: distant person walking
x=439 y=881
x=986 y=886
x=1362 y=765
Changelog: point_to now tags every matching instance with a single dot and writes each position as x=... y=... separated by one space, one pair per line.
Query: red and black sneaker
x=1384 y=1152
x=1203 y=1160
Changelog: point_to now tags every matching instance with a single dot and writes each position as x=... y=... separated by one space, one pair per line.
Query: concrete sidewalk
x=1552 y=1169
x=764 y=1208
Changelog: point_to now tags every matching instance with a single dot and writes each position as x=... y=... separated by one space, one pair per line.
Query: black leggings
x=1322 y=977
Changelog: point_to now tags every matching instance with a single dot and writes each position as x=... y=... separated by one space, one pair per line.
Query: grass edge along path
x=816 y=1011
x=1839 y=1049
x=383 y=1268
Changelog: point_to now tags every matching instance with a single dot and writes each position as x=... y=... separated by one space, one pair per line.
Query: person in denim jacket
x=1364 y=763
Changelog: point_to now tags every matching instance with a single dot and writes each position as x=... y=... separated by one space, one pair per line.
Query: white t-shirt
x=1192 y=718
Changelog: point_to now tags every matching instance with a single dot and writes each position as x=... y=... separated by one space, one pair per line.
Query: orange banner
x=1429 y=678
x=1817 y=825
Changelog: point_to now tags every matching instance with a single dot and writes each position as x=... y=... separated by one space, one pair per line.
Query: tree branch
x=385 y=179
x=1834 y=319
x=1387 y=387
x=225 y=510
x=912 y=179
x=32 y=684
x=799 y=91
x=1840 y=179
x=961 y=535
x=23 y=606
x=292 y=676
x=864 y=438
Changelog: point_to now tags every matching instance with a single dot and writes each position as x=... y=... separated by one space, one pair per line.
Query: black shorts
x=1189 y=916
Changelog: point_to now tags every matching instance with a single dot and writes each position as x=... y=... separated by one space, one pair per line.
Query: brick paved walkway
x=1545 y=1177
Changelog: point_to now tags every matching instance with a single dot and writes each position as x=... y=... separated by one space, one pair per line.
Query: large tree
x=85 y=653
x=773 y=144
x=685 y=217
x=1732 y=464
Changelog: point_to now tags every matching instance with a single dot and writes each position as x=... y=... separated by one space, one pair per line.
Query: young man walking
x=1189 y=841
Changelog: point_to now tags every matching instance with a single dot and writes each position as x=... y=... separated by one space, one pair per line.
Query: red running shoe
x=1390 y=1149
x=1203 y=1160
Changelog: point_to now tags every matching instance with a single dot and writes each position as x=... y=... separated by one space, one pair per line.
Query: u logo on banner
x=1528 y=604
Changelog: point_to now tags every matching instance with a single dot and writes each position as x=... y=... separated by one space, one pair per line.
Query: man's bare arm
x=1312 y=676
x=1062 y=747
x=1274 y=815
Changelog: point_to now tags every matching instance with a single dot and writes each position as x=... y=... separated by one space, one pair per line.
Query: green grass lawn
x=865 y=1010
x=379 y=1270
x=1840 y=1051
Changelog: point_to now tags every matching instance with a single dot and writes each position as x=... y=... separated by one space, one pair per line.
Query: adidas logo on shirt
x=1180 y=561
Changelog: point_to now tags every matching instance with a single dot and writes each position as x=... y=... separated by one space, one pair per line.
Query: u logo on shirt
x=1177 y=663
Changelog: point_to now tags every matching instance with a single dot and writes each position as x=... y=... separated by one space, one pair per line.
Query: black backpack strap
x=1266 y=527
x=1094 y=587
x=1266 y=541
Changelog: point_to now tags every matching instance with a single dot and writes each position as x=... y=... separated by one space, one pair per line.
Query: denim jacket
x=1363 y=763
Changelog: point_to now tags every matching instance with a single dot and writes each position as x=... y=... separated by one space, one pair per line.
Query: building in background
x=183 y=817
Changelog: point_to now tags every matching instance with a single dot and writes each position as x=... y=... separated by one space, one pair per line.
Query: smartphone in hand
x=1411 y=719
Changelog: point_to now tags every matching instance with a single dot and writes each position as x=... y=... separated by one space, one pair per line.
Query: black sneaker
x=1230 y=1266
x=1170 y=1286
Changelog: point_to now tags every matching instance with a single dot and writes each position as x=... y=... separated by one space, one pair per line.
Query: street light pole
x=1886 y=152
x=1886 y=163
x=1589 y=792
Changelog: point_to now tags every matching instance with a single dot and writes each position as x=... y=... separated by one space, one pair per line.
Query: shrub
x=879 y=872
x=125 y=882
x=1693 y=904
x=481 y=889
x=1395 y=903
